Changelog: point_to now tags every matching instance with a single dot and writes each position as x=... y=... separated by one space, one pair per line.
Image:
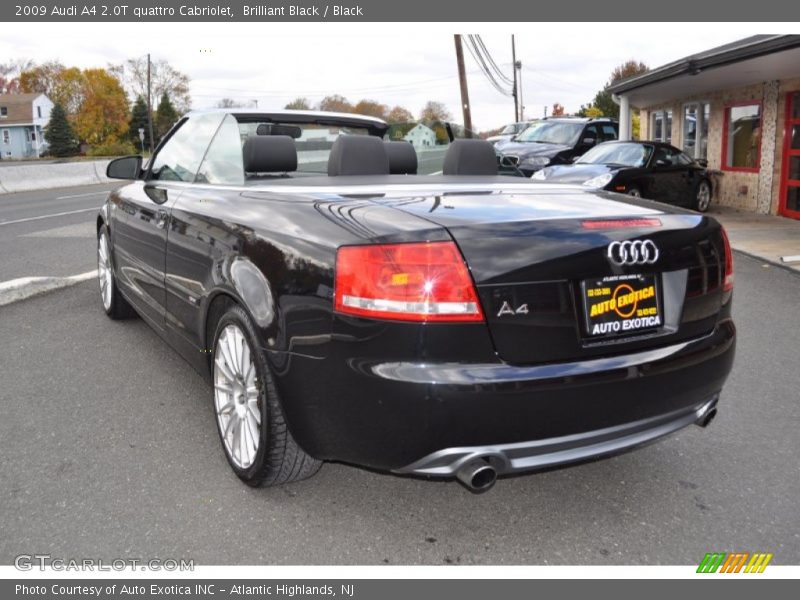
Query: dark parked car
x=652 y=170
x=553 y=141
x=454 y=325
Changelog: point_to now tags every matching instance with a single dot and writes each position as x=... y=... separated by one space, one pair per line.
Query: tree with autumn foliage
x=103 y=114
x=558 y=110
x=335 y=103
x=399 y=114
x=434 y=111
x=371 y=108
x=63 y=85
x=164 y=78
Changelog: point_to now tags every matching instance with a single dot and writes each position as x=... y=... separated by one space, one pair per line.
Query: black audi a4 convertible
x=463 y=324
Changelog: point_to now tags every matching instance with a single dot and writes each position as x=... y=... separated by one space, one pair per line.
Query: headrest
x=402 y=158
x=470 y=157
x=269 y=154
x=358 y=155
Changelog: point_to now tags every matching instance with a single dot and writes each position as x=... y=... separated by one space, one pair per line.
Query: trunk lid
x=535 y=256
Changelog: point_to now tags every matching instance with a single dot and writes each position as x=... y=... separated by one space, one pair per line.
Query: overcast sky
x=398 y=63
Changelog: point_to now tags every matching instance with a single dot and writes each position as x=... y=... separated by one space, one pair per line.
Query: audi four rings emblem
x=638 y=252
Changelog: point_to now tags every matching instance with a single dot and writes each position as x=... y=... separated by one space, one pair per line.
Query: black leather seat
x=269 y=154
x=358 y=155
x=470 y=157
x=402 y=158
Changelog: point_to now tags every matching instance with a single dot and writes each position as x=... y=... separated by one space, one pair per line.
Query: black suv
x=553 y=141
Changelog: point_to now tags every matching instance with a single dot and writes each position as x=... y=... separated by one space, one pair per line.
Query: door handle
x=161 y=218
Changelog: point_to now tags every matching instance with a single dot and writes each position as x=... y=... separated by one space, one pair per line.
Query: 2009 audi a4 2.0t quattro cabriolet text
x=462 y=324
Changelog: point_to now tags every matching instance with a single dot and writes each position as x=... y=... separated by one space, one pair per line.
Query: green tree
x=59 y=135
x=139 y=121
x=603 y=100
x=166 y=116
x=299 y=103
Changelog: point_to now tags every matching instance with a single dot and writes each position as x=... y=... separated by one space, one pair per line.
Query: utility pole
x=462 y=78
x=514 y=89
x=149 y=107
x=518 y=65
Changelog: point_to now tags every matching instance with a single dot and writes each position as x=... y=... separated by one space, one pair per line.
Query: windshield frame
x=647 y=153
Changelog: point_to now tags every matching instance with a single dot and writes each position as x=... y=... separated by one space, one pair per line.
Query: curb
x=774 y=263
x=27 y=287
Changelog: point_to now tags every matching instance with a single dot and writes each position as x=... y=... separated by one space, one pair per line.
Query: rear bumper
x=426 y=417
x=540 y=454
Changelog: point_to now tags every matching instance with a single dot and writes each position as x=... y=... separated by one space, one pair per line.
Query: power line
x=493 y=64
x=475 y=51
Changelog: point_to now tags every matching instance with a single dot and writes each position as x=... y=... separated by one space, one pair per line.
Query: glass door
x=790 y=177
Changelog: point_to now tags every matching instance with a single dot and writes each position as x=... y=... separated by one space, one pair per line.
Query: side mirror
x=661 y=162
x=127 y=167
x=702 y=162
x=588 y=141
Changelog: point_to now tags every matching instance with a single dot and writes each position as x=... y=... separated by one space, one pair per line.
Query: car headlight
x=540 y=175
x=535 y=161
x=599 y=181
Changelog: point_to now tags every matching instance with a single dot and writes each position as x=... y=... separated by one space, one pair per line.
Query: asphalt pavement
x=46 y=233
x=108 y=448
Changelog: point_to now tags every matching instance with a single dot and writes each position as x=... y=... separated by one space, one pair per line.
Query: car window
x=669 y=155
x=607 y=133
x=684 y=159
x=590 y=132
x=224 y=163
x=182 y=153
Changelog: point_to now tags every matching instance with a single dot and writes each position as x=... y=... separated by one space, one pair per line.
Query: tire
x=702 y=196
x=112 y=301
x=634 y=191
x=250 y=422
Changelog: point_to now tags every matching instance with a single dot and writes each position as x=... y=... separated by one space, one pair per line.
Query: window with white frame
x=39 y=112
x=3 y=112
x=661 y=126
x=6 y=136
x=695 y=129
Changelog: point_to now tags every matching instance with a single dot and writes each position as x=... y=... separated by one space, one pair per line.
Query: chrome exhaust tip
x=478 y=476
x=706 y=419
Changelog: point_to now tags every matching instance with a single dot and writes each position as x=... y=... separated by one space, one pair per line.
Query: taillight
x=409 y=282
x=727 y=283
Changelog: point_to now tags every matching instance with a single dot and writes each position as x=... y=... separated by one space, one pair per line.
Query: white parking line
x=15 y=290
x=81 y=195
x=61 y=214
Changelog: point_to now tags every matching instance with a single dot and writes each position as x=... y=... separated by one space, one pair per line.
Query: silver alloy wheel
x=104 y=271
x=236 y=396
x=635 y=193
x=703 y=196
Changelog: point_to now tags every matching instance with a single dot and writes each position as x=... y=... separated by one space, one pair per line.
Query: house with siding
x=23 y=118
x=736 y=106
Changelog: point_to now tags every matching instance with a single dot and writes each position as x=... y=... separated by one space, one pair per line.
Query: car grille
x=507 y=160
